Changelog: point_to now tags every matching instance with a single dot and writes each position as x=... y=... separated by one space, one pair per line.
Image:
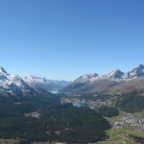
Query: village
x=129 y=120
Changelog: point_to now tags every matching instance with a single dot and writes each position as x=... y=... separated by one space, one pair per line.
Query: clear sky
x=63 y=39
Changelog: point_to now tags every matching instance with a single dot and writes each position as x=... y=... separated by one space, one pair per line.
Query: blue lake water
x=54 y=92
x=79 y=105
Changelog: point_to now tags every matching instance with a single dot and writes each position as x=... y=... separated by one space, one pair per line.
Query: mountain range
x=14 y=84
x=31 y=115
x=112 y=82
x=46 y=84
x=115 y=81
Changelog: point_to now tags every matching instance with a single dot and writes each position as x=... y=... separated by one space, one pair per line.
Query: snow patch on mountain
x=49 y=85
x=12 y=83
x=116 y=75
x=87 y=78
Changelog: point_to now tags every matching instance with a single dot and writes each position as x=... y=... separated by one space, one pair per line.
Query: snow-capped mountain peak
x=141 y=66
x=94 y=82
x=88 y=77
x=35 y=79
x=12 y=83
x=116 y=74
x=137 y=72
x=2 y=70
x=47 y=84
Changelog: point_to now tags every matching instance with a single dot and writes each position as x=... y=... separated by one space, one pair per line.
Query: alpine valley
x=31 y=114
x=117 y=96
x=103 y=109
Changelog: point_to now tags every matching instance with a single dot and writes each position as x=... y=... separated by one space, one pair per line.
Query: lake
x=80 y=105
x=54 y=92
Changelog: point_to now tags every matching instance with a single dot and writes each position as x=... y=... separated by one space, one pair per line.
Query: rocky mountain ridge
x=15 y=84
x=95 y=82
x=116 y=74
x=12 y=83
x=46 y=84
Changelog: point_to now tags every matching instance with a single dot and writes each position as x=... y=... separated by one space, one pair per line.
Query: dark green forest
x=131 y=102
x=108 y=111
x=57 y=122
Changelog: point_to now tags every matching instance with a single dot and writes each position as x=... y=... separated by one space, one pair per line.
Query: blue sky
x=63 y=39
